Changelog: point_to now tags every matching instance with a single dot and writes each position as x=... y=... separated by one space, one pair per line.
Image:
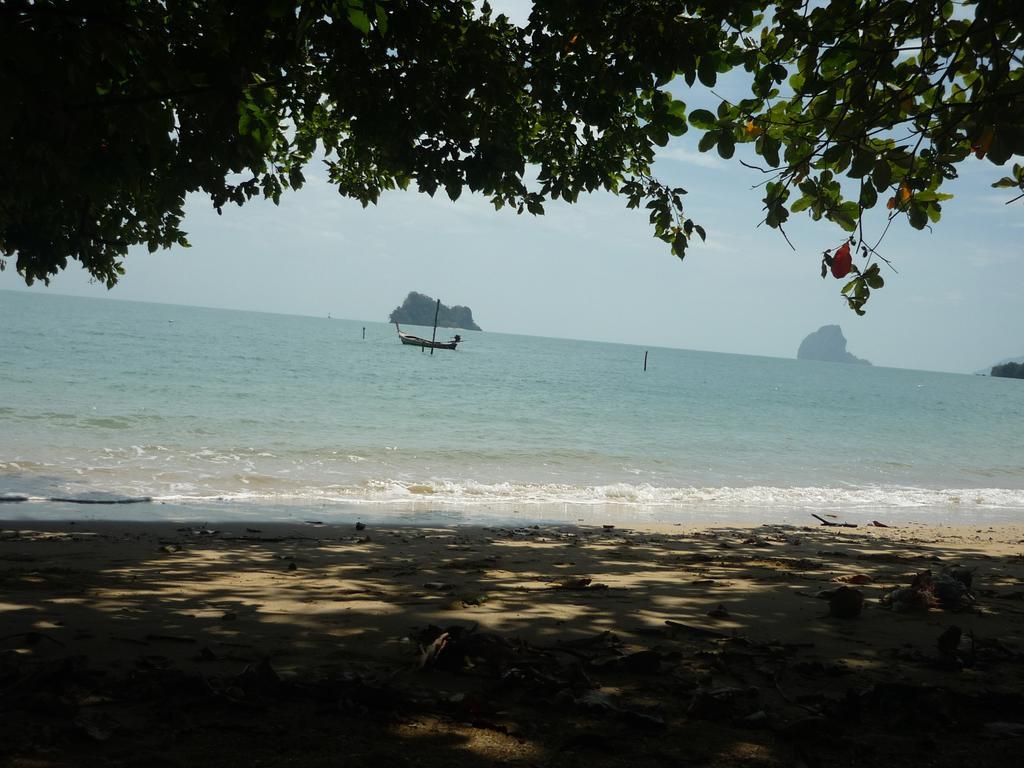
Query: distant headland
x=827 y=344
x=418 y=309
x=1009 y=370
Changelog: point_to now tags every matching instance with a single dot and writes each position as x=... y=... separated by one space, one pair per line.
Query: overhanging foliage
x=117 y=110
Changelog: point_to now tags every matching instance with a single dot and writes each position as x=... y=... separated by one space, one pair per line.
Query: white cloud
x=690 y=157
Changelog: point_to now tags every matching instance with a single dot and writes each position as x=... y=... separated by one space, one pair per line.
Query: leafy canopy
x=117 y=110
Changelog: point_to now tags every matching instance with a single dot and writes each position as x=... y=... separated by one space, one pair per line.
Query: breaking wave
x=462 y=493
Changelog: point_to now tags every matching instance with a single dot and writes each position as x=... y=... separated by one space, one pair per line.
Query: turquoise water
x=258 y=413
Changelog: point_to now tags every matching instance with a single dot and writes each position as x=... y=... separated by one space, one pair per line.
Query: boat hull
x=416 y=341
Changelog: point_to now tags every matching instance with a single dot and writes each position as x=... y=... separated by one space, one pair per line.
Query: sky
x=594 y=271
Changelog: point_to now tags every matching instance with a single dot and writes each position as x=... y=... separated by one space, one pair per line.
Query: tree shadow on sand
x=320 y=645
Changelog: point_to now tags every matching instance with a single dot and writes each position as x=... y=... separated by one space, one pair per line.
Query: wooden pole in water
x=364 y=333
x=645 y=359
x=433 y=337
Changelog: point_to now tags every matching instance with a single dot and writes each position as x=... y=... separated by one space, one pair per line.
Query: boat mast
x=433 y=338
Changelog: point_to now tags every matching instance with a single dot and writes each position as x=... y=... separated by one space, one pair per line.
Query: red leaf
x=842 y=261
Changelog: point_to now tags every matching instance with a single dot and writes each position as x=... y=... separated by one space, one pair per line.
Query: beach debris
x=576 y=582
x=170 y=549
x=292 y=566
x=807 y=726
x=467 y=602
x=98 y=726
x=719 y=612
x=831 y=524
x=948 y=642
x=30 y=639
x=441 y=586
x=854 y=578
x=647 y=662
x=947 y=589
x=254 y=530
x=1004 y=730
x=680 y=626
x=876 y=524
x=608 y=527
x=726 y=703
x=152 y=638
x=360 y=526
x=601 y=702
x=950 y=592
x=599 y=646
x=205 y=654
x=458 y=648
x=906 y=600
x=1015 y=595
x=478 y=564
x=846 y=603
x=256 y=680
x=964 y=575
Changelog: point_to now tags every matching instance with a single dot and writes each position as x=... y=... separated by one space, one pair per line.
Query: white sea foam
x=439 y=492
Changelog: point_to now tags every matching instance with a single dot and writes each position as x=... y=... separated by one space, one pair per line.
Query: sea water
x=216 y=413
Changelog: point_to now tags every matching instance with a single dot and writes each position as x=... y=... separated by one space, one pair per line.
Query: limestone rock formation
x=418 y=309
x=827 y=344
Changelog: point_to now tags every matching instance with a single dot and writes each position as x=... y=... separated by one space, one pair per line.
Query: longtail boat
x=416 y=341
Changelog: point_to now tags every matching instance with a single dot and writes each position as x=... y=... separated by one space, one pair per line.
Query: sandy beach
x=257 y=644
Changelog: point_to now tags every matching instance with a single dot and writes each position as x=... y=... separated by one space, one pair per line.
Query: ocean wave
x=468 y=492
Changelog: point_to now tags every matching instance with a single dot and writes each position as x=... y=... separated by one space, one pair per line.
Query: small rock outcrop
x=418 y=309
x=829 y=345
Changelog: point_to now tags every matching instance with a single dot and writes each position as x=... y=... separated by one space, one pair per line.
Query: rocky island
x=418 y=309
x=829 y=345
x=1009 y=370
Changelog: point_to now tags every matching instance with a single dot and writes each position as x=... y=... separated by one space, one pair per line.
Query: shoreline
x=98 y=507
x=506 y=643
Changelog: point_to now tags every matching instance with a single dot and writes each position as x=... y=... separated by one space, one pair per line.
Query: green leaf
x=868 y=195
x=823 y=104
x=802 y=204
x=931 y=197
x=703 y=119
x=657 y=133
x=358 y=19
x=675 y=125
x=918 y=216
x=881 y=175
x=707 y=141
x=726 y=146
x=707 y=71
x=846 y=216
x=862 y=164
x=677 y=108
